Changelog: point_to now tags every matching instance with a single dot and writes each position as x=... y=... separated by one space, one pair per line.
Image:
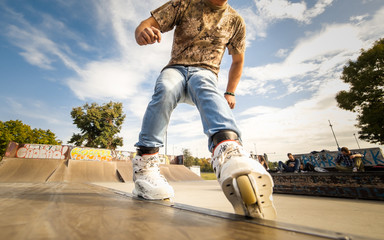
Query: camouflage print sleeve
x=236 y=44
x=168 y=15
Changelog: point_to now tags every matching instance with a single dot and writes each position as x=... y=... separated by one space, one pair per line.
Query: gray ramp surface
x=86 y=211
x=27 y=170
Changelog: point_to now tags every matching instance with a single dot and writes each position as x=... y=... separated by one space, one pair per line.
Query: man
x=263 y=161
x=203 y=30
x=352 y=161
x=292 y=165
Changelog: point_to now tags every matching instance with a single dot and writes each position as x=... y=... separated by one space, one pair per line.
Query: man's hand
x=148 y=35
x=231 y=100
x=148 y=32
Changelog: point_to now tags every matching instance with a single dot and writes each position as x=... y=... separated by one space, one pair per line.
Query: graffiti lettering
x=376 y=158
x=91 y=154
x=122 y=155
x=42 y=151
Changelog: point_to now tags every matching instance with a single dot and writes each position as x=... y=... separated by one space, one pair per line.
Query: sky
x=59 y=54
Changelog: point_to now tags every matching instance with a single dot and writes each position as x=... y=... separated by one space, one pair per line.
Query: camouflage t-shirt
x=202 y=33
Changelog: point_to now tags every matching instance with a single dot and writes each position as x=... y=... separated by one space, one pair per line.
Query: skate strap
x=147 y=150
x=221 y=136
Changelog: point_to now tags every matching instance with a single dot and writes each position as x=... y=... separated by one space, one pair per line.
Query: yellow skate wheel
x=246 y=190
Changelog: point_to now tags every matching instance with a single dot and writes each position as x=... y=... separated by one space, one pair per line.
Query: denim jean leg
x=214 y=110
x=281 y=166
x=286 y=168
x=169 y=90
x=297 y=165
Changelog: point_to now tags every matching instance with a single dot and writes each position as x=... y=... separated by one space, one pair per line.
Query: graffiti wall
x=71 y=152
x=65 y=152
x=371 y=157
x=42 y=151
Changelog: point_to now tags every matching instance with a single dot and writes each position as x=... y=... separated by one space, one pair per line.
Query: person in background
x=263 y=161
x=292 y=165
x=352 y=161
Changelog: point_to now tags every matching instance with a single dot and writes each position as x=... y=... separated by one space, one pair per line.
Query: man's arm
x=234 y=78
x=338 y=158
x=355 y=155
x=148 y=32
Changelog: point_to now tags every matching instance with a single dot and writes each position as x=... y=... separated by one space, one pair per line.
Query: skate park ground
x=59 y=199
x=357 y=217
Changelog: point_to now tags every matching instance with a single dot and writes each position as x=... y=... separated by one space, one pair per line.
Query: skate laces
x=226 y=152
x=148 y=169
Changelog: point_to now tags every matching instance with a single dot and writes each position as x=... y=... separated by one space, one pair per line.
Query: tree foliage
x=366 y=95
x=189 y=160
x=99 y=125
x=17 y=131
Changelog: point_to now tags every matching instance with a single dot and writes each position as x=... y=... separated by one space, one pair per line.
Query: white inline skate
x=149 y=183
x=244 y=181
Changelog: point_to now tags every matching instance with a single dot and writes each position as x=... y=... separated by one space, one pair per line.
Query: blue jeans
x=193 y=85
x=284 y=167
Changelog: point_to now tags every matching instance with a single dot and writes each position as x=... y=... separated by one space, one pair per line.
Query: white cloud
x=358 y=19
x=101 y=80
x=281 y=9
x=259 y=110
x=271 y=11
x=319 y=55
x=372 y=29
x=35 y=46
x=281 y=53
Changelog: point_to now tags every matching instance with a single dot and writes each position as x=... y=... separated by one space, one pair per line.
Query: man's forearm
x=234 y=77
x=235 y=72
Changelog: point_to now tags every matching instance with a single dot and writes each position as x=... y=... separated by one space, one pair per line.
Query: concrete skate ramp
x=170 y=172
x=54 y=170
x=178 y=173
x=27 y=170
x=85 y=171
x=124 y=170
x=86 y=211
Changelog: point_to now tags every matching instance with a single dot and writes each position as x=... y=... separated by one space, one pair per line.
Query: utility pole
x=356 y=141
x=338 y=147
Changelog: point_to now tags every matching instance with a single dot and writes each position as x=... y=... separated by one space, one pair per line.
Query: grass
x=208 y=176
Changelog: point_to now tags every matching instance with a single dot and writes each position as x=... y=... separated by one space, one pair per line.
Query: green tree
x=366 y=95
x=273 y=165
x=17 y=131
x=99 y=125
x=188 y=158
x=206 y=165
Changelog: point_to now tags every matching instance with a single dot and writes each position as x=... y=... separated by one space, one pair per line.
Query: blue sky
x=56 y=55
